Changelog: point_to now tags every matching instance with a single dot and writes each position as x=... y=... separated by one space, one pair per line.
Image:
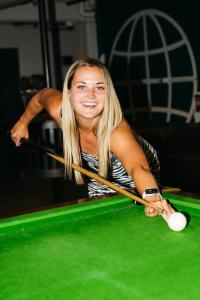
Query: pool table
x=101 y=249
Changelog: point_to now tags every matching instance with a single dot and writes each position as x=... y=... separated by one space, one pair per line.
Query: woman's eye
x=100 y=88
x=81 y=87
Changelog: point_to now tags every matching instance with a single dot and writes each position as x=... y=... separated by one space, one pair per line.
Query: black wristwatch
x=151 y=192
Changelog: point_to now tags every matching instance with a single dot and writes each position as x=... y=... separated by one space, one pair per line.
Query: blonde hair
x=109 y=119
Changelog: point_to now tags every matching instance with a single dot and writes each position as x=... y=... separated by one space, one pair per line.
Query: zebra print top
x=116 y=172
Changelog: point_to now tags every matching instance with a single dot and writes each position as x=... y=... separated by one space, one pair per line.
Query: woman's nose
x=91 y=93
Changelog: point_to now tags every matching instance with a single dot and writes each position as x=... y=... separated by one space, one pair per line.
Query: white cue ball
x=177 y=221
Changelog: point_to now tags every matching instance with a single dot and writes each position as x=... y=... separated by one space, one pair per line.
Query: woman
x=95 y=134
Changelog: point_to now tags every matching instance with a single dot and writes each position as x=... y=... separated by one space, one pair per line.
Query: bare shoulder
x=123 y=131
x=123 y=138
x=51 y=96
x=52 y=100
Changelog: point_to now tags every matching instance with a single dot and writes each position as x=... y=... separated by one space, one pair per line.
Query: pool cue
x=92 y=175
x=170 y=190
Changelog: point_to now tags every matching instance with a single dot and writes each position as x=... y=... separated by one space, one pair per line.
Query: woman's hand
x=161 y=203
x=19 y=131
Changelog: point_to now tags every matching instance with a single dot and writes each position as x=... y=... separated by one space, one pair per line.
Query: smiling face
x=88 y=93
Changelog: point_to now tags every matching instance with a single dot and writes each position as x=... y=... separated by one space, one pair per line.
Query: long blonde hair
x=109 y=119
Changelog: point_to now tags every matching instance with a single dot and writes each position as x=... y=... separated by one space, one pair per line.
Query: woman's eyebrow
x=80 y=82
x=83 y=82
x=101 y=82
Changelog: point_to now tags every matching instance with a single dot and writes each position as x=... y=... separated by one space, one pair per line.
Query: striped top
x=116 y=172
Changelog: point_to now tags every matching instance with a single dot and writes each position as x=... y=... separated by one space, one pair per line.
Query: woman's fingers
x=168 y=210
x=18 y=132
x=151 y=212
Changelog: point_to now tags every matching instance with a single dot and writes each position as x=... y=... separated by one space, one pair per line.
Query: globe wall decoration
x=153 y=68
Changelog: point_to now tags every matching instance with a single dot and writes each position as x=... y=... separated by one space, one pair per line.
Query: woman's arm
x=131 y=155
x=48 y=99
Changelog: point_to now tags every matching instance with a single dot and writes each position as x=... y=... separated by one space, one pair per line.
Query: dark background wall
x=112 y=15
x=10 y=102
x=168 y=119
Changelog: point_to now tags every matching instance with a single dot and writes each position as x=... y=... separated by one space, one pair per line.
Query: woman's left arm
x=125 y=146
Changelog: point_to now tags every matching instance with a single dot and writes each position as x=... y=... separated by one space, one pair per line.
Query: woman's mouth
x=90 y=104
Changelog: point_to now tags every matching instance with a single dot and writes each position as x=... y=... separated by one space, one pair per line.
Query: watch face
x=151 y=191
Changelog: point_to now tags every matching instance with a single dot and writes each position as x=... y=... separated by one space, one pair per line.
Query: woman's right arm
x=48 y=99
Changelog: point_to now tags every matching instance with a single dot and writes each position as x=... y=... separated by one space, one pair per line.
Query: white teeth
x=89 y=103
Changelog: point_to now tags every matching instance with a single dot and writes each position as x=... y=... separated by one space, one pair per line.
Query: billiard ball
x=177 y=221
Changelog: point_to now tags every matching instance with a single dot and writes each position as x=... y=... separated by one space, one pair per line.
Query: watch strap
x=150 y=193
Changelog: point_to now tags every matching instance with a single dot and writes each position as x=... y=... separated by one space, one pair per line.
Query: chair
x=34 y=164
x=52 y=138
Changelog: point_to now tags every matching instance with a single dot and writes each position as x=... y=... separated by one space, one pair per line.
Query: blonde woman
x=95 y=134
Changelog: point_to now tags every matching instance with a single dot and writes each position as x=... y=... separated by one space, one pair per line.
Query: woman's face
x=88 y=93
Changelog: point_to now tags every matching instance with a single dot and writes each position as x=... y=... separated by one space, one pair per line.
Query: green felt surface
x=106 y=249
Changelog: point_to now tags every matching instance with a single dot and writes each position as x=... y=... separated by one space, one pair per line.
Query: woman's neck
x=87 y=125
x=87 y=130
x=88 y=141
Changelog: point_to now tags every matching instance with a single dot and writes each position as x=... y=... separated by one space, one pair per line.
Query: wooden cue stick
x=104 y=181
x=170 y=190
x=55 y=156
